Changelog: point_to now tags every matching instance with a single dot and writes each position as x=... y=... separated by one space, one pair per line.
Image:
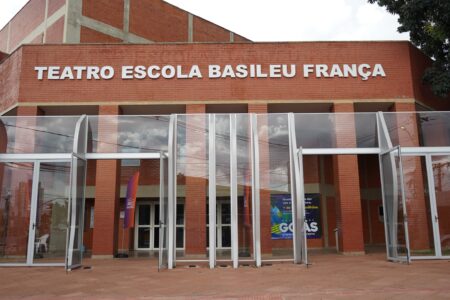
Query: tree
x=428 y=23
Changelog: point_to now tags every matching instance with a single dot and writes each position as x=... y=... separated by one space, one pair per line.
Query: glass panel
x=51 y=215
x=393 y=206
x=226 y=236
x=161 y=234
x=156 y=214
x=192 y=181
x=75 y=251
x=441 y=172
x=331 y=130
x=129 y=133
x=223 y=192
x=244 y=180
x=37 y=134
x=144 y=214
x=180 y=237
x=15 y=202
x=180 y=214
x=156 y=238
x=418 y=208
x=275 y=195
x=144 y=238
x=226 y=213
x=430 y=129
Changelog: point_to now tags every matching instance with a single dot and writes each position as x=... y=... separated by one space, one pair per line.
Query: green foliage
x=428 y=23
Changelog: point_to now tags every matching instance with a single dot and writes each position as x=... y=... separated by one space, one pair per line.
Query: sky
x=282 y=20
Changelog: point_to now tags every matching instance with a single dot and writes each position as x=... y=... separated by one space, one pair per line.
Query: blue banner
x=281 y=217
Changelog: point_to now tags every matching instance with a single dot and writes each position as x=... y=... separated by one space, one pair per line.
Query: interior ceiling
x=300 y=107
x=69 y=110
x=373 y=106
x=153 y=109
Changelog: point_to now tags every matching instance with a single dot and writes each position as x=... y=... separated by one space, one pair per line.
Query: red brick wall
x=10 y=70
x=158 y=21
x=239 y=38
x=39 y=39
x=55 y=33
x=88 y=35
x=346 y=175
x=422 y=92
x=26 y=21
x=205 y=31
x=107 y=193
x=4 y=39
x=54 y=5
x=106 y=11
x=397 y=85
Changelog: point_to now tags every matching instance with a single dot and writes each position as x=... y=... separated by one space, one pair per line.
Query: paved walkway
x=329 y=277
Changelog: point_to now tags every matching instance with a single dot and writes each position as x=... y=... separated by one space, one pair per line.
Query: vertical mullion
x=403 y=198
x=256 y=192
x=233 y=192
x=434 y=213
x=171 y=205
x=33 y=213
x=212 y=190
x=162 y=209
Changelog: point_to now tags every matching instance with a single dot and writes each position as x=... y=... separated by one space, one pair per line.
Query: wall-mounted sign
x=241 y=71
x=281 y=217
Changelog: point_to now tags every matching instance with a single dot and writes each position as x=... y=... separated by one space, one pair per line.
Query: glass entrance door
x=440 y=166
x=395 y=220
x=147 y=226
x=15 y=210
x=50 y=221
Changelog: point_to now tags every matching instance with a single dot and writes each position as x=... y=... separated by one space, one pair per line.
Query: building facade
x=286 y=140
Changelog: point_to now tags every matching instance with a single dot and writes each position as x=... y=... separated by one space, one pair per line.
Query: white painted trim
x=44 y=38
x=150 y=155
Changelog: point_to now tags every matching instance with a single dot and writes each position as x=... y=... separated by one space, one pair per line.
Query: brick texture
x=10 y=70
x=54 y=5
x=55 y=33
x=346 y=175
x=88 y=35
x=158 y=21
x=205 y=31
x=106 y=11
x=26 y=21
x=196 y=183
x=397 y=84
x=107 y=191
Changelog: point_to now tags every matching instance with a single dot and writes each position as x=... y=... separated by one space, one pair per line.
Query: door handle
x=436 y=218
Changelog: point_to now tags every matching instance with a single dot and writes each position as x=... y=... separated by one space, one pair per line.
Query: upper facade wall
x=147 y=21
x=398 y=84
x=38 y=22
x=107 y=21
